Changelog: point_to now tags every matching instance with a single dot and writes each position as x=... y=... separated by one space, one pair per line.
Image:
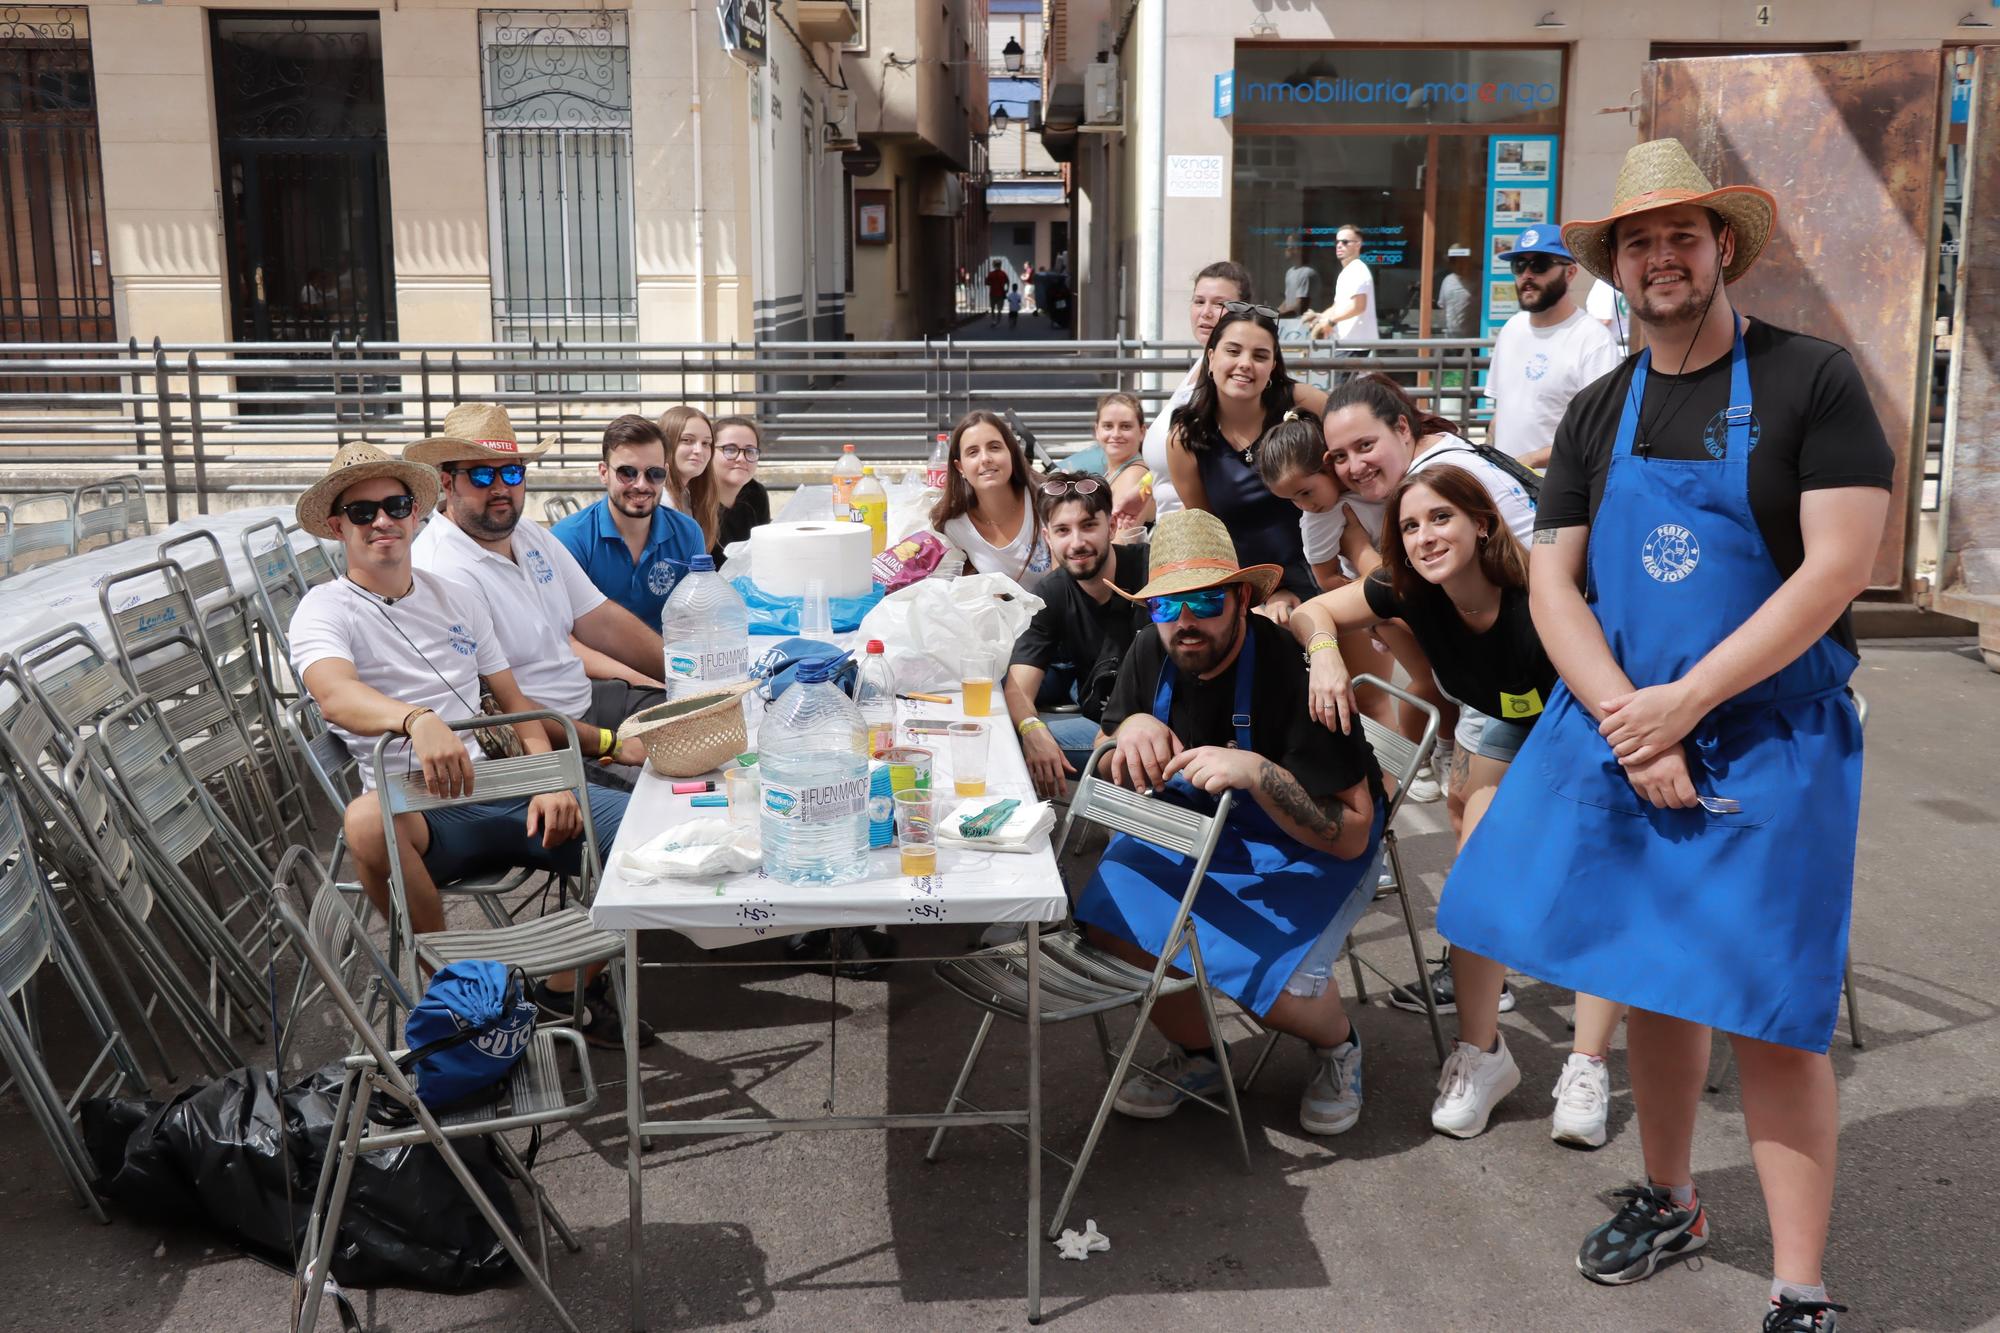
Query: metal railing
x=203 y=418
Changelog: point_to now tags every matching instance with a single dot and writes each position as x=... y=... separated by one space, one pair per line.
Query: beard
x=1549 y=292
x=1197 y=651
x=631 y=508
x=1098 y=560
x=478 y=522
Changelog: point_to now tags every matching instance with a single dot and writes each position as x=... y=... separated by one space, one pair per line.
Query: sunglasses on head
x=1079 y=485
x=1536 y=264
x=362 y=512
x=1206 y=605
x=1250 y=308
x=734 y=452
x=482 y=474
x=629 y=474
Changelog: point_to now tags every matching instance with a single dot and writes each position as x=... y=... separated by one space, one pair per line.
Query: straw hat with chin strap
x=355 y=463
x=1660 y=174
x=474 y=433
x=1191 y=551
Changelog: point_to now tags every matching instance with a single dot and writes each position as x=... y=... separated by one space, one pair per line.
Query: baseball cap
x=1539 y=241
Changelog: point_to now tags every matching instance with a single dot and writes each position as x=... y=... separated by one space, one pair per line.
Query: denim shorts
x=492 y=837
x=1490 y=737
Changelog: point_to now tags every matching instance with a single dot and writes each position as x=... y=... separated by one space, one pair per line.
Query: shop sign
x=743 y=30
x=1225 y=94
x=1432 y=92
x=1194 y=176
x=1312 y=85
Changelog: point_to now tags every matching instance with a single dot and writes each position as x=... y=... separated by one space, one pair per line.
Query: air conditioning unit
x=839 y=132
x=1102 y=110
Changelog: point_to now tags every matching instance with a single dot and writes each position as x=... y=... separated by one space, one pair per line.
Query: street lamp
x=997 y=121
x=1011 y=56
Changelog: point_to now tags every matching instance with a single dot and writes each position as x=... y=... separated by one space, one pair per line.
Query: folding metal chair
x=351 y=973
x=1081 y=981
x=559 y=941
x=31 y=538
x=32 y=933
x=100 y=512
x=281 y=585
x=6 y=540
x=559 y=507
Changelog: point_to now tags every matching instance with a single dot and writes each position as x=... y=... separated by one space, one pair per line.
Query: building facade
x=1027 y=193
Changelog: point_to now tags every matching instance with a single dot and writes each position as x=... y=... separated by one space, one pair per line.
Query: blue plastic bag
x=472 y=1026
x=771 y=614
x=775 y=668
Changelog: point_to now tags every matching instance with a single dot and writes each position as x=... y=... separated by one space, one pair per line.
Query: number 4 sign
x=1761 y=15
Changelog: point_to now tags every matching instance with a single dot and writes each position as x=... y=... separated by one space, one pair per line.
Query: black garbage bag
x=211 y=1155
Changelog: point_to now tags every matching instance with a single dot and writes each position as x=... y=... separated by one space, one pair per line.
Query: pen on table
x=928 y=698
x=688 y=788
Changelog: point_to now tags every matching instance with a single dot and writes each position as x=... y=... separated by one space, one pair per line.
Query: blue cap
x=701 y=564
x=814 y=670
x=1539 y=241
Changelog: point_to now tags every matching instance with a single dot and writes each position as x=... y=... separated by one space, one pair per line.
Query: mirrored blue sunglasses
x=1206 y=605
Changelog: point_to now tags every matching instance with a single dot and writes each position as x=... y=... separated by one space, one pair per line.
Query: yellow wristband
x=1320 y=642
x=1026 y=725
x=605 y=741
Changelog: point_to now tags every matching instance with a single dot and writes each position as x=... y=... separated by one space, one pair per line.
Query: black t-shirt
x=1325 y=762
x=1812 y=428
x=752 y=509
x=1475 y=669
x=1074 y=627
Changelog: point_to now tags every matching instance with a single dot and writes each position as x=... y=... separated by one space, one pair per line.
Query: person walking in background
x=1546 y=352
x=1014 y=307
x=1352 y=318
x=996 y=292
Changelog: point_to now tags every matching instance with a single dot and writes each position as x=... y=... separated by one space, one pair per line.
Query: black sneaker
x=601 y=1026
x=1649 y=1228
x=1412 y=999
x=1789 y=1314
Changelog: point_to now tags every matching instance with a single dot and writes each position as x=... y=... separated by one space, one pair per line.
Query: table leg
x=635 y=1115
x=1034 y=1122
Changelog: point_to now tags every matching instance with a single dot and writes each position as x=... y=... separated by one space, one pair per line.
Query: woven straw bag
x=691 y=736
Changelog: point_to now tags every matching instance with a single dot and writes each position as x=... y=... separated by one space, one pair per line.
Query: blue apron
x=1267 y=899
x=1735 y=921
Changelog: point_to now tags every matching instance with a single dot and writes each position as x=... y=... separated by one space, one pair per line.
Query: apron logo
x=1715 y=435
x=1670 y=553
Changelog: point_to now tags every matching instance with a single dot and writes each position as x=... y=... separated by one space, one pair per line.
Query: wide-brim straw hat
x=1660 y=174
x=475 y=433
x=355 y=463
x=1192 y=550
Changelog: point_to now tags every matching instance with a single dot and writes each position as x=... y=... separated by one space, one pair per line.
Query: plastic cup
x=978 y=696
x=968 y=758
x=916 y=832
x=816 y=616
x=741 y=786
x=909 y=768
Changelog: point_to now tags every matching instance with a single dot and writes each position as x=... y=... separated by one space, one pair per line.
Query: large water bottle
x=875 y=696
x=813 y=763
x=707 y=632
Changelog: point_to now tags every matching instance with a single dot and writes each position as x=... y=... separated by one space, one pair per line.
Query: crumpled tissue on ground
x=1080 y=1245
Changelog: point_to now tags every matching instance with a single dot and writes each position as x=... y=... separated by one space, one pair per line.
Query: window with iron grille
x=558 y=108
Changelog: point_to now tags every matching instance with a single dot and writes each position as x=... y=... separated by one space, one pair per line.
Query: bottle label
x=935 y=476
x=728 y=664
x=820 y=804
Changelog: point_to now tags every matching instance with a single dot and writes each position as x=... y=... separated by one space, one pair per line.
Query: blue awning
x=1025 y=192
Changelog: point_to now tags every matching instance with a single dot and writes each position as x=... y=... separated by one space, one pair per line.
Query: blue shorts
x=492 y=837
x=1490 y=737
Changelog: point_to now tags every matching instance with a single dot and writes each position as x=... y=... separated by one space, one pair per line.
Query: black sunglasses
x=362 y=512
x=1250 y=308
x=629 y=474
x=1536 y=264
x=1081 y=485
x=482 y=474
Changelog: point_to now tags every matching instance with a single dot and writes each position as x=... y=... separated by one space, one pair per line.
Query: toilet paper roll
x=784 y=556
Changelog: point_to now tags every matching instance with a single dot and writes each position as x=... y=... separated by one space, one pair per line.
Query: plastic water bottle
x=937 y=472
x=869 y=506
x=707 y=633
x=846 y=472
x=813 y=760
x=875 y=696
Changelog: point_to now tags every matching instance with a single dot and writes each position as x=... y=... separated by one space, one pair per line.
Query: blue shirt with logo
x=640 y=587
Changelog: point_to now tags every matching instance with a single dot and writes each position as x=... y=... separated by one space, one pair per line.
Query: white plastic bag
x=939 y=631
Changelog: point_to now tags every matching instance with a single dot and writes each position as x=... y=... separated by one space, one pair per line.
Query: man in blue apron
x=1214 y=700
x=1678 y=832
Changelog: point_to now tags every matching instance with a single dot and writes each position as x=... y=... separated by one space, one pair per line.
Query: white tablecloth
x=969 y=886
x=52 y=595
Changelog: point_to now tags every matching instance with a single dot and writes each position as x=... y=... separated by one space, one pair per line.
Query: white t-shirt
x=1354 y=279
x=538 y=595
x=1605 y=305
x=1321 y=533
x=430 y=648
x=1165 y=498
x=1537 y=371
x=1025 y=557
x=1299 y=283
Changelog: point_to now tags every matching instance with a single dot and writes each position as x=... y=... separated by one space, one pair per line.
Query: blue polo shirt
x=641 y=588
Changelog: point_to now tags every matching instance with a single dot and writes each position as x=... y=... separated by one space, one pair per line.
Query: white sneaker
x=1472 y=1084
x=1583 y=1096
x=1425 y=787
x=1175 y=1076
x=1331 y=1102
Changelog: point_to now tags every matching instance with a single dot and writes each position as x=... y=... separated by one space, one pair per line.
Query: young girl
x=986 y=510
x=741 y=502
x=1454 y=574
x=690 y=441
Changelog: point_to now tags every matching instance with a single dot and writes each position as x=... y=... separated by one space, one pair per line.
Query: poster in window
x=871 y=217
x=1502 y=299
x=1521 y=159
x=1514 y=206
x=1503 y=241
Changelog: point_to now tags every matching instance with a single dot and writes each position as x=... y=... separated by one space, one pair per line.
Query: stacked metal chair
x=31 y=533
x=559 y=507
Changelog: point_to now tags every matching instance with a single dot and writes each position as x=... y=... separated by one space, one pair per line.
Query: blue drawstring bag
x=470 y=1029
x=772 y=614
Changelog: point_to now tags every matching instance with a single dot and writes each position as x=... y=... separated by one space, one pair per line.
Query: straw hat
x=1660 y=174
x=474 y=433
x=354 y=464
x=1192 y=550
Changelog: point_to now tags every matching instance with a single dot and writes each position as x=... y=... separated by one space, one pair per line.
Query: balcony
x=832 y=21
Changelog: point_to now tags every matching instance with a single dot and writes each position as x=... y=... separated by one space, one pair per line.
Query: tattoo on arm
x=1546 y=536
x=1323 y=818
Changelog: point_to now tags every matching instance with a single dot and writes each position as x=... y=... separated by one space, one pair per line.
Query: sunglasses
x=362 y=512
x=1206 y=605
x=1250 y=308
x=1080 y=486
x=482 y=474
x=629 y=474
x=1537 y=264
x=736 y=452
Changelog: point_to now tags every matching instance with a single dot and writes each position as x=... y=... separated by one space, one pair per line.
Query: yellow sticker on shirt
x=1520 y=705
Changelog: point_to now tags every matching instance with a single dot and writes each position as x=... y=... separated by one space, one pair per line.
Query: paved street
x=1388 y=1227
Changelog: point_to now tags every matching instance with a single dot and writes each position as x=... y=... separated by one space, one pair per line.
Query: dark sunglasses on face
x=1250 y=308
x=362 y=512
x=1206 y=605
x=1081 y=486
x=629 y=474
x=481 y=475
x=737 y=452
x=1536 y=264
